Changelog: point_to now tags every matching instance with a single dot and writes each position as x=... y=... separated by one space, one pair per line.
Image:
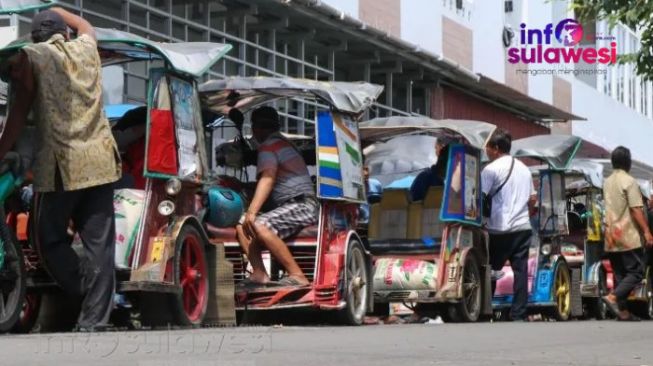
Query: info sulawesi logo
x=568 y=33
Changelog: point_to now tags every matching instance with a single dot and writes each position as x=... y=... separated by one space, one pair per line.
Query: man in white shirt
x=510 y=185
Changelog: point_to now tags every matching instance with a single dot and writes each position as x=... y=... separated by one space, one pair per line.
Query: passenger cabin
x=404 y=223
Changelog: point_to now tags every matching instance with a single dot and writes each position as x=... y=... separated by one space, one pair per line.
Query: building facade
x=441 y=58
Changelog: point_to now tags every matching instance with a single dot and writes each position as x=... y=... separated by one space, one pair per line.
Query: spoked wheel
x=469 y=307
x=12 y=278
x=191 y=272
x=356 y=282
x=29 y=313
x=562 y=292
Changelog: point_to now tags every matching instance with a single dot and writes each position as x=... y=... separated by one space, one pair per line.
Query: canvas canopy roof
x=245 y=93
x=115 y=47
x=476 y=133
x=17 y=6
x=555 y=150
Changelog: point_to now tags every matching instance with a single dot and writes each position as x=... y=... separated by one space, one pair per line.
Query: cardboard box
x=221 y=309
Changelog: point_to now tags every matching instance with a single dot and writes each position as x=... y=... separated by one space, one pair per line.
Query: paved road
x=551 y=344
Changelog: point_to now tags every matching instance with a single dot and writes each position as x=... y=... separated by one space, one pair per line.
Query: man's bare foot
x=261 y=278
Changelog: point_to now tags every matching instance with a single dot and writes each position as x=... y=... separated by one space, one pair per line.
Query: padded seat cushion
x=229 y=233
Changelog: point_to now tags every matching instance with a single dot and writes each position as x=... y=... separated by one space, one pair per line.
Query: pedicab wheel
x=561 y=292
x=644 y=309
x=191 y=273
x=356 y=280
x=29 y=313
x=469 y=308
x=598 y=308
x=12 y=278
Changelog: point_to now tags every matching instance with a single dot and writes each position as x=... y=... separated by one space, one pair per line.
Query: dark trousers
x=513 y=247
x=92 y=278
x=628 y=269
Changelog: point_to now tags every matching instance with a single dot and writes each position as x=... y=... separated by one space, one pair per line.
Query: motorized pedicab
x=432 y=251
x=330 y=254
x=553 y=283
x=161 y=245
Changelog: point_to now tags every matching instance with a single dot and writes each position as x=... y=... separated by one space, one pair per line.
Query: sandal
x=612 y=306
x=292 y=282
x=630 y=318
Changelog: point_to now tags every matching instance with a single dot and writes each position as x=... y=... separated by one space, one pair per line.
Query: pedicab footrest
x=146 y=286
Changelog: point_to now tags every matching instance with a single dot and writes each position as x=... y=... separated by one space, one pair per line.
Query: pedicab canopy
x=18 y=6
x=339 y=155
x=476 y=133
x=556 y=150
x=116 y=47
x=462 y=193
x=245 y=93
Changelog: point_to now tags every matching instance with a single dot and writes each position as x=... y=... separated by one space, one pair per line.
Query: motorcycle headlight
x=173 y=186
x=546 y=249
x=166 y=208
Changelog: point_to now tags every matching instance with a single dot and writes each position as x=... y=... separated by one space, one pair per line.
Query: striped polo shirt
x=292 y=179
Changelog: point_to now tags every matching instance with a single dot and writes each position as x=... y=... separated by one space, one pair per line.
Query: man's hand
x=248 y=225
x=648 y=238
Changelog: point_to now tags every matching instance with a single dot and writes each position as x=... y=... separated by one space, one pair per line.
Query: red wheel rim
x=29 y=309
x=192 y=277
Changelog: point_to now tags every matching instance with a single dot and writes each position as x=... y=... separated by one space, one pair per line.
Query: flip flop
x=630 y=318
x=612 y=306
x=291 y=281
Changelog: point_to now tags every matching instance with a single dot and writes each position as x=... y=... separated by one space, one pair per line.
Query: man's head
x=47 y=23
x=265 y=121
x=499 y=144
x=441 y=143
x=621 y=158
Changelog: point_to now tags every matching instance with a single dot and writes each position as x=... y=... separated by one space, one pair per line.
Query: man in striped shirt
x=285 y=187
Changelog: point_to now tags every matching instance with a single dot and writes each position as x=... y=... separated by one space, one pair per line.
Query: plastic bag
x=404 y=274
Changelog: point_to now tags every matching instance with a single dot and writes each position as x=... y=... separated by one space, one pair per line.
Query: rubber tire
x=177 y=301
x=555 y=313
x=459 y=312
x=59 y=312
x=26 y=323
x=18 y=295
x=347 y=315
x=599 y=310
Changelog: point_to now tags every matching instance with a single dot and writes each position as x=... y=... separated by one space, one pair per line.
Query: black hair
x=621 y=158
x=265 y=117
x=134 y=117
x=501 y=140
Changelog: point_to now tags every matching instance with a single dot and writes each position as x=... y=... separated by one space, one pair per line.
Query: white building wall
x=487 y=21
x=422 y=24
x=610 y=124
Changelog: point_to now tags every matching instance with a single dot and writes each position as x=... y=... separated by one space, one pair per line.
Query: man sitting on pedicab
x=434 y=175
x=284 y=186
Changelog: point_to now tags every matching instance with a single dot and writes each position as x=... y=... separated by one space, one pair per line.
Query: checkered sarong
x=291 y=217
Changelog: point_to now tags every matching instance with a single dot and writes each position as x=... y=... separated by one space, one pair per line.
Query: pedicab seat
x=229 y=233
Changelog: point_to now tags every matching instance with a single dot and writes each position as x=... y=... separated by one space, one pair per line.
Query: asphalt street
x=541 y=343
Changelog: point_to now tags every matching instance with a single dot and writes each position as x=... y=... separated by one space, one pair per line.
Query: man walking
x=77 y=160
x=510 y=185
x=625 y=222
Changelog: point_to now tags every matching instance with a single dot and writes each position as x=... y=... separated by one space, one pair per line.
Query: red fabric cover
x=134 y=162
x=162 y=151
